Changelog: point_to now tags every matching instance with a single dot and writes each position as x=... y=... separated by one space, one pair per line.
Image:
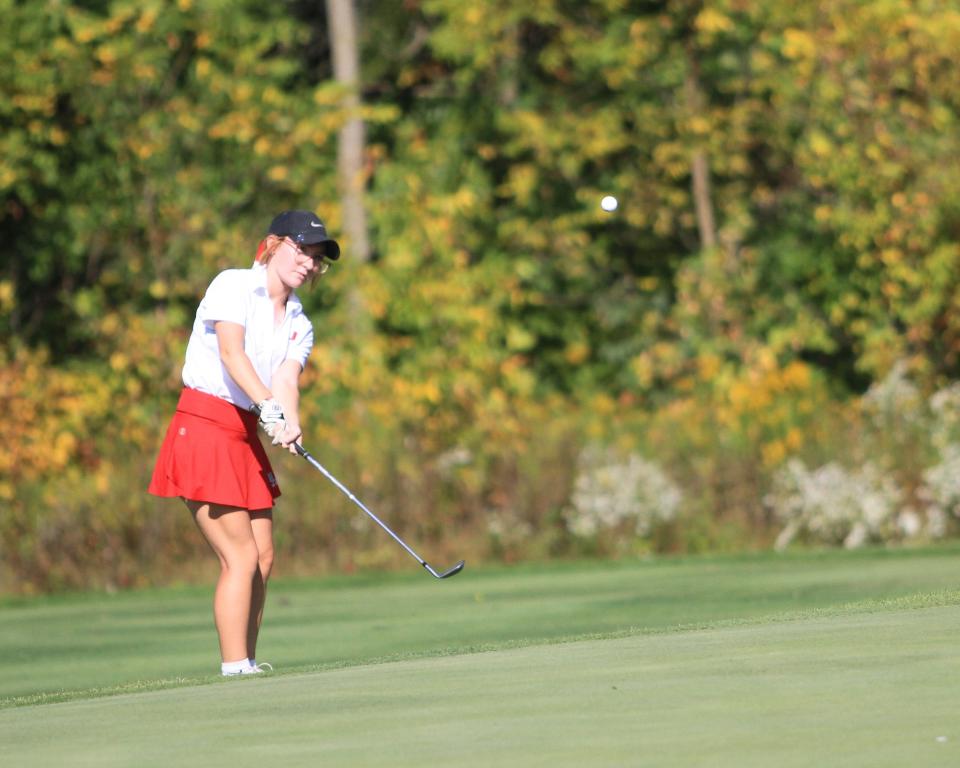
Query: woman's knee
x=265 y=561
x=261 y=521
x=243 y=559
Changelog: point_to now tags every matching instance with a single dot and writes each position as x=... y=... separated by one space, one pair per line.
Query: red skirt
x=212 y=453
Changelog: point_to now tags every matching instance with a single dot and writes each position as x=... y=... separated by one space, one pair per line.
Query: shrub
x=834 y=505
x=624 y=497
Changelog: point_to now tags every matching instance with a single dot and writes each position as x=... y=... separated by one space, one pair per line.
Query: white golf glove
x=271 y=419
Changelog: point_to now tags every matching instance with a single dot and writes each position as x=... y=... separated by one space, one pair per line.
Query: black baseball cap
x=304 y=228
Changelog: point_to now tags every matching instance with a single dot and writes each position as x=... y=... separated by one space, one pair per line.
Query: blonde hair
x=267 y=248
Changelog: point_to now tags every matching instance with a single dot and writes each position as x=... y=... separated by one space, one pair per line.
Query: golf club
x=433 y=572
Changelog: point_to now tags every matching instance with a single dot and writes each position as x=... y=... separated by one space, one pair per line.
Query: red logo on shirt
x=293 y=336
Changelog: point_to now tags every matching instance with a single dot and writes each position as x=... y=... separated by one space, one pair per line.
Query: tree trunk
x=700 y=170
x=342 y=18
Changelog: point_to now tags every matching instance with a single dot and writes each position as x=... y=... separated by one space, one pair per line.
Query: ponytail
x=268 y=246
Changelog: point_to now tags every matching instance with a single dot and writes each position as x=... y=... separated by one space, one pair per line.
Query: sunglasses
x=319 y=264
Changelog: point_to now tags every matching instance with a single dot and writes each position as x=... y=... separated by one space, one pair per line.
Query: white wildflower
x=936 y=523
x=453 y=458
x=909 y=523
x=945 y=409
x=507 y=526
x=834 y=505
x=941 y=485
x=610 y=492
x=893 y=398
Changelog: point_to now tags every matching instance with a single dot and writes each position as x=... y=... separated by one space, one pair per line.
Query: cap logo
x=312 y=224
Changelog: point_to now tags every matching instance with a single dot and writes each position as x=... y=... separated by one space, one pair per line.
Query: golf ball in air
x=609 y=203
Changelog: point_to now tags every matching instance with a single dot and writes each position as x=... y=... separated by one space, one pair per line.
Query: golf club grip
x=254 y=408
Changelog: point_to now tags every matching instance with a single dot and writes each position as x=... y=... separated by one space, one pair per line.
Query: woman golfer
x=250 y=341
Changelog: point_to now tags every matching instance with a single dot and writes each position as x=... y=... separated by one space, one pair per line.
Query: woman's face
x=295 y=264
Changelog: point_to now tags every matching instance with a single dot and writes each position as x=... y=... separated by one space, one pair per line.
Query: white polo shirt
x=240 y=296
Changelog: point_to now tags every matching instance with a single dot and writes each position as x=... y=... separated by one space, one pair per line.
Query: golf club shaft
x=349 y=494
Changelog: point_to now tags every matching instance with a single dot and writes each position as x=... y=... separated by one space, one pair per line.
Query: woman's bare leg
x=261 y=521
x=230 y=534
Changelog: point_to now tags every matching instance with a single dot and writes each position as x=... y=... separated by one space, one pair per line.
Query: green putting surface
x=873 y=688
x=806 y=659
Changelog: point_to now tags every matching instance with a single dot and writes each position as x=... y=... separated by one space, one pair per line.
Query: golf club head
x=448 y=573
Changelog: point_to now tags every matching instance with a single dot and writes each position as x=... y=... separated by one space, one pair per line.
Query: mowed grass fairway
x=798 y=660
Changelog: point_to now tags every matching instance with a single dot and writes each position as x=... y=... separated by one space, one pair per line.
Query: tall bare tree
x=700 y=168
x=342 y=17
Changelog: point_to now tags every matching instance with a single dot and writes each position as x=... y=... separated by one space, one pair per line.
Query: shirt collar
x=258 y=278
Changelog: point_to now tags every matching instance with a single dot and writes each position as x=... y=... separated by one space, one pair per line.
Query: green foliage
x=504 y=322
x=147 y=143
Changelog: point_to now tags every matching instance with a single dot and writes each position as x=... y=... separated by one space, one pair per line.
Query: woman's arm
x=285 y=384
x=235 y=360
x=286 y=389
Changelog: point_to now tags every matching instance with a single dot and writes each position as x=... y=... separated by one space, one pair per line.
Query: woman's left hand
x=289 y=436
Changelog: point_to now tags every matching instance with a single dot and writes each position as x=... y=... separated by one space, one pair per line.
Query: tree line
x=788 y=233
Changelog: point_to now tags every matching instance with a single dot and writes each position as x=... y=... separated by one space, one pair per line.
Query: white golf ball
x=609 y=203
